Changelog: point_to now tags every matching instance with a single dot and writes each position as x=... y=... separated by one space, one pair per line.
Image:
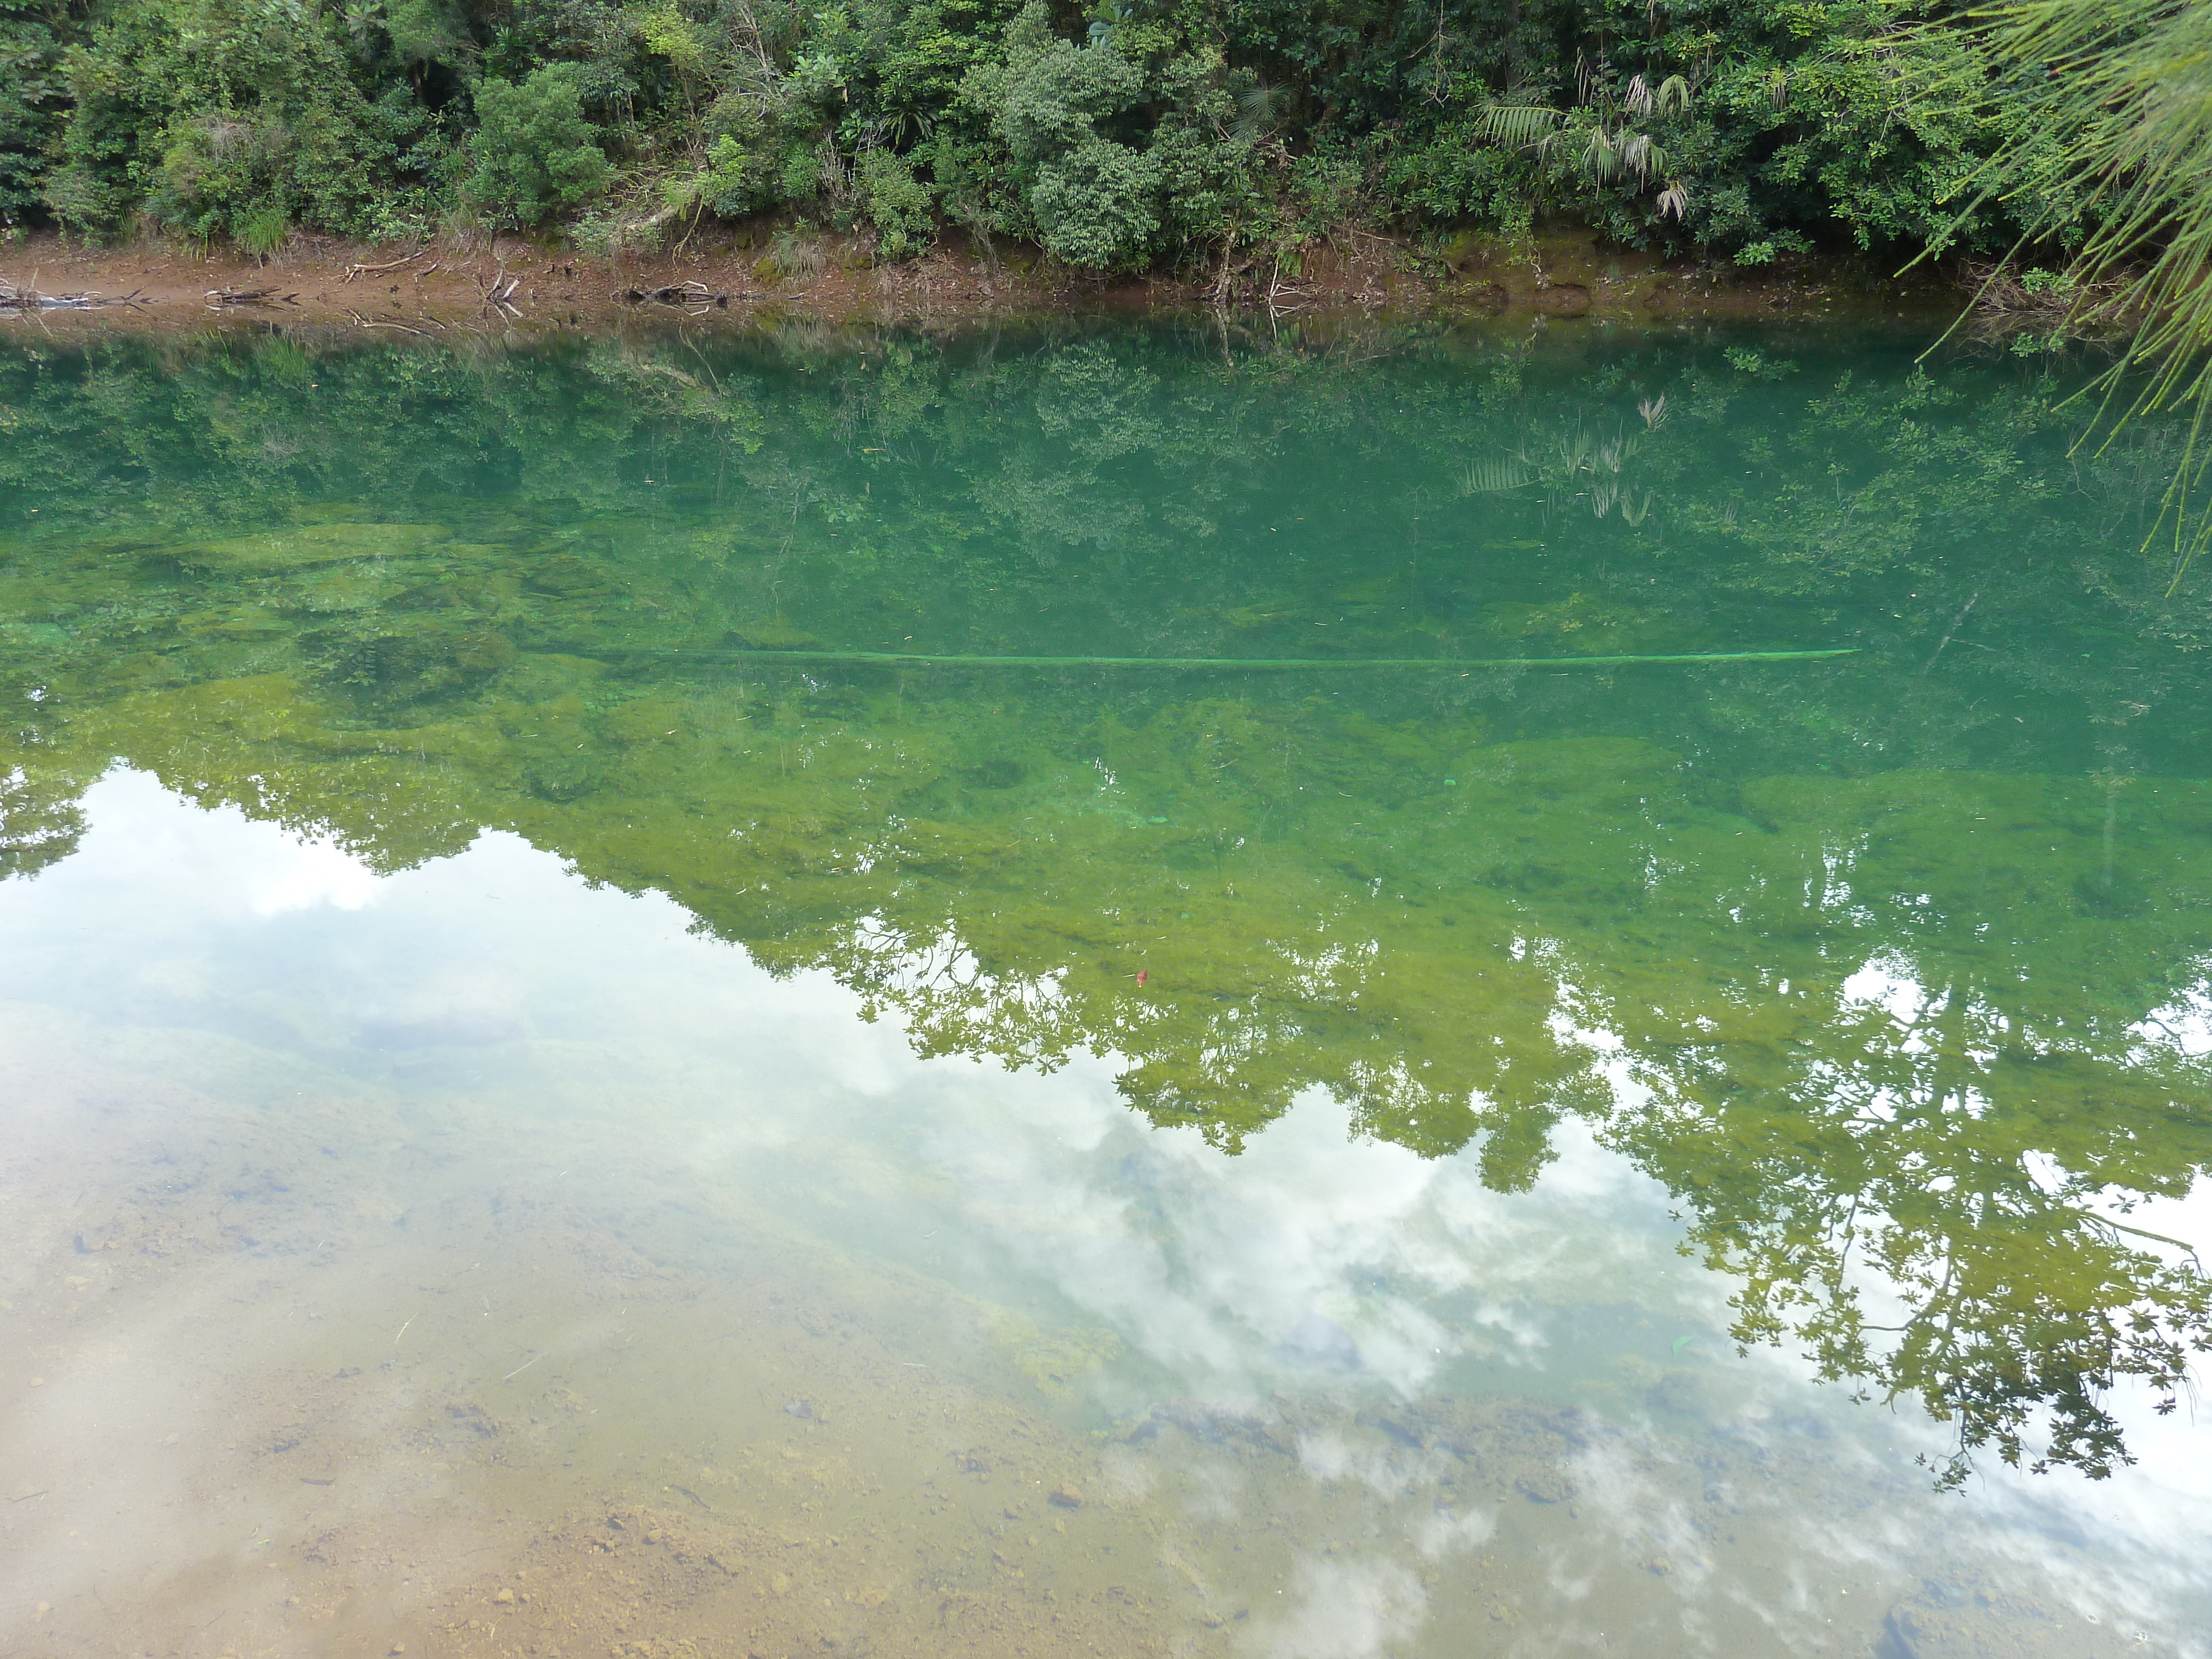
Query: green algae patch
x=303 y=547
x=1059 y=1363
x=771 y=636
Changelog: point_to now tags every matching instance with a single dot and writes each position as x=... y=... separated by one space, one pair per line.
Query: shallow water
x=1642 y=1088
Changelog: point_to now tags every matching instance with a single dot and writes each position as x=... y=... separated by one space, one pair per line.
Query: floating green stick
x=914 y=658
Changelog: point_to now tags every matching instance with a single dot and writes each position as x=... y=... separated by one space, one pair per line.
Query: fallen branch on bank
x=498 y=294
x=26 y=297
x=694 y=297
x=353 y=272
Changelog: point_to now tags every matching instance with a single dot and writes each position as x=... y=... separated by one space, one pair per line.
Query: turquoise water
x=1387 y=993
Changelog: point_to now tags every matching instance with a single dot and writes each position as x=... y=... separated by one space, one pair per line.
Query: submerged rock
x=1951 y=1621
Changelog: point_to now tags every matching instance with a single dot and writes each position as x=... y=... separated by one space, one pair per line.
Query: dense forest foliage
x=1120 y=135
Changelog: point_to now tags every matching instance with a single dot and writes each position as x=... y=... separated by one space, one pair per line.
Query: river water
x=1356 y=992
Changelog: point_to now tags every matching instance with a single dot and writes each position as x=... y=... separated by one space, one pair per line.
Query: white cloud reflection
x=1344 y=1610
x=2182 y=1024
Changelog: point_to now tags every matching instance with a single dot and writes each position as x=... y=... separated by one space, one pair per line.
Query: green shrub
x=1091 y=198
x=899 y=204
x=1095 y=206
x=220 y=174
x=793 y=252
x=603 y=232
x=533 y=150
x=734 y=183
x=82 y=200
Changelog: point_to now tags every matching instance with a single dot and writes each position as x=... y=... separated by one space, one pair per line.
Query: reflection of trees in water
x=1949 y=1164
x=40 y=821
x=1857 y=1086
x=1864 y=961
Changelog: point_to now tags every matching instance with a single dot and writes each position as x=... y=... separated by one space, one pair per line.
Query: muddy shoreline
x=512 y=289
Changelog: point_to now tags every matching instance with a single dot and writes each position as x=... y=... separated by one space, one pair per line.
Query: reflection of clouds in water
x=1311 y=1262
x=122 y=1388
x=1442 y=1533
x=1232 y=1272
x=2127 y=1549
x=1387 y=1472
x=1649 y=1524
x=313 y=873
x=1887 y=982
x=1343 y=1610
x=217 y=861
x=1310 y=1254
x=1215 y=1494
x=2182 y=1024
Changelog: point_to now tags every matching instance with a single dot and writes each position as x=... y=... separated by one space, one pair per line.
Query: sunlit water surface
x=552 y=1104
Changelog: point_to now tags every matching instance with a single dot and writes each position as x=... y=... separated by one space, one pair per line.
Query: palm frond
x=1260 y=111
x=1642 y=156
x=2124 y=94
x=1599 y=156
x=1522 y=126
x=1492 y=477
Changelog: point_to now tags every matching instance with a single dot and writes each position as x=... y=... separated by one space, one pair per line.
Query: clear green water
x=537 y=1066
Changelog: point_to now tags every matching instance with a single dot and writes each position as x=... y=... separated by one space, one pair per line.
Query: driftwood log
x=690 y=296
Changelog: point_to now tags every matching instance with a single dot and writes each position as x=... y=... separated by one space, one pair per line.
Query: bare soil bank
x=517 y=289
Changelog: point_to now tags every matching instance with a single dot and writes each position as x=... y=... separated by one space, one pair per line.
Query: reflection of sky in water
x=1314 y=1260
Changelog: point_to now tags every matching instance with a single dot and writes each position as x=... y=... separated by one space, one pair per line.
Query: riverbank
x=514 y=286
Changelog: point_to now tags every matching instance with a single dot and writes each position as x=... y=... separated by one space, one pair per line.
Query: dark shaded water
x=1641 y=1086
